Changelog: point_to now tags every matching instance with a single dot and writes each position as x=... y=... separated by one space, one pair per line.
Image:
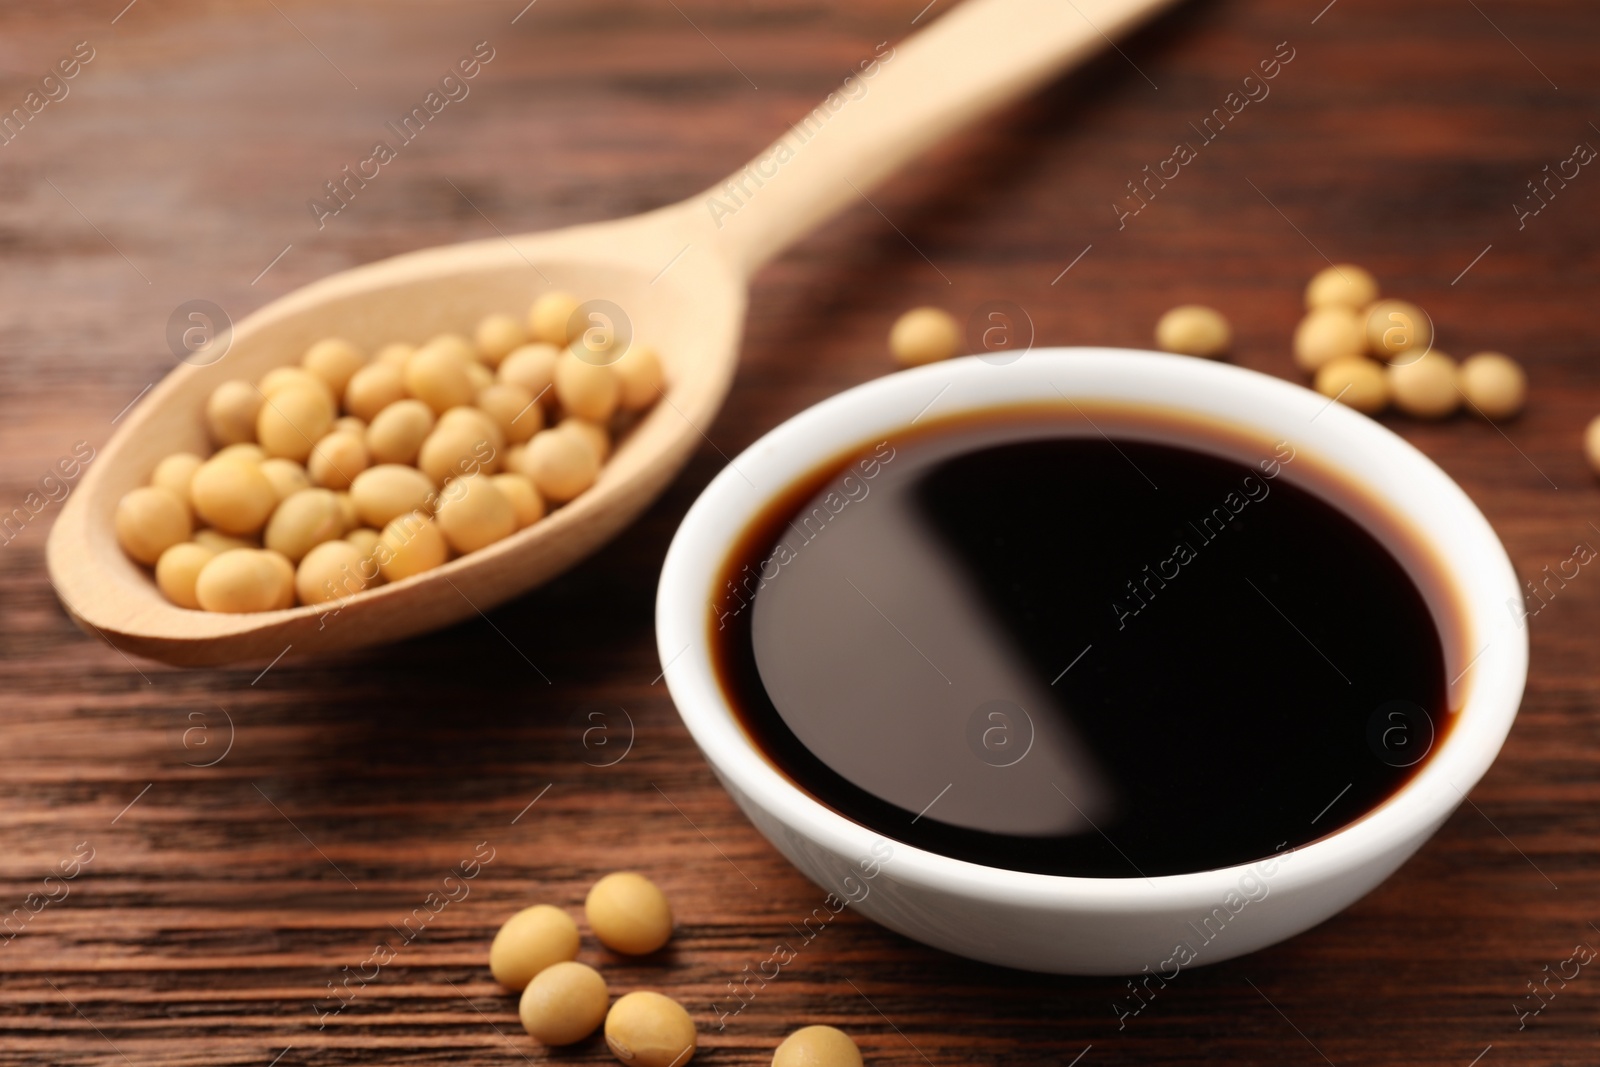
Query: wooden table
x=228 y=877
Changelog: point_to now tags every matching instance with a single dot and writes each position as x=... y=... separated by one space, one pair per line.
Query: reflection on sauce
x=1016 y=641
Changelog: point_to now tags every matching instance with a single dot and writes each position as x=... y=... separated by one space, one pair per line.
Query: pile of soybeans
x=345 y=472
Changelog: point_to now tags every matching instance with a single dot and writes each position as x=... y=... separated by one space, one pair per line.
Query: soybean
x=1194 y=330
x=1396 y=326
x=1591 y=444
x=817 y=1046
x=410 y=544
x=151 y=520
x=646 y=1029
x=560 y=464
x=1326 y=334
x=473 y=513
x=533 y=367
x=1341 y=285
x=331 y=571
x=1355 y=381
x=305 y=520
x=363 y=537
x=513 y=410
x=526 y=503
x=175 y=472
x=387 y=491
x=628 y=913
x=231 y=412
x=564 y=1003
x=1425 y=386
x=529 y=941
x=461 y=446
x=591 y=432
x=335 y=361
x=550 y=318
x=1494 y=384
x=247 y=580
x=179 y=568
x=232 y=494
x=455 y=346
x=287 y=476
x=587 y=390
x=397 y=432
x=337 y=459
x=924 y=335
x=497 y=336
x=245 y=450
x=220 y=542
x=373 y=388
x=640 y=376
x=438 y=377
x=278 y=379
x=293 y=419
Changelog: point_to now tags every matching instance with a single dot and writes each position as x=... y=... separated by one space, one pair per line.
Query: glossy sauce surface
x=1024 y=645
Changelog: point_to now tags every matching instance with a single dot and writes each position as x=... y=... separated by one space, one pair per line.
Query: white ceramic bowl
x=1102 y=925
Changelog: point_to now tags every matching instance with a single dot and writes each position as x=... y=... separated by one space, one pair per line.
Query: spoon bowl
x=680 y=275
x=415 y=296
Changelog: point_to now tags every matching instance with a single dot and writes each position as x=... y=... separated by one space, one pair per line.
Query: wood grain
x=221 y=903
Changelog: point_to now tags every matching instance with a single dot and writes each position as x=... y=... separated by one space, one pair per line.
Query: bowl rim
x=1453 y=528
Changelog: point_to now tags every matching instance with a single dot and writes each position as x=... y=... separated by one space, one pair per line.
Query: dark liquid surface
x=1079 y=655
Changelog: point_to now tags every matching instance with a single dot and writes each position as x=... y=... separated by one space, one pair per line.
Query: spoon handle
x=897 y=102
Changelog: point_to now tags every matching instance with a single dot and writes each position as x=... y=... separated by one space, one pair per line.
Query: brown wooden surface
x=220 y=905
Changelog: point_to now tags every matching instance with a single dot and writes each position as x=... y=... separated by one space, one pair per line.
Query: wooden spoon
x=679 y=273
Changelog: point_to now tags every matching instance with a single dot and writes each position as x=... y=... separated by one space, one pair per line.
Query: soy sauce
x=1105 y=647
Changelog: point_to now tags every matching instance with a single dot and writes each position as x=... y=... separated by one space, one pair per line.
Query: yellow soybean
x=1341 y=285
x=397 y=432
x=497 y=335
x=331 y=571
x=178 y=569
x=560 y=464
x=628 y=913
x=533 y=367
x=526 y=503
x=231 y=412
x=513 y=411
x=247 y=580
x=293 y=420
x=473 y=513
x=334 y=360
x=924 y=335
x=640 y=375
x=175 y=472
x=529 y=941
x=1355 y=381
x=1494 y=384
x=587 y=390
x=550 y=318
x=458 y=448
x=817 y=1046
x=647 y=1029
x=410 y=544
x=1194 y=330
x=387 y=491
x=373 y=388
x=337 y=459
x=232 y=494
x=286 y=476
x=564 y=1003
x=150 y=520
x=302 y=522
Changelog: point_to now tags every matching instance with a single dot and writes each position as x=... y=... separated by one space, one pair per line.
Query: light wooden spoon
x=680 y=274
